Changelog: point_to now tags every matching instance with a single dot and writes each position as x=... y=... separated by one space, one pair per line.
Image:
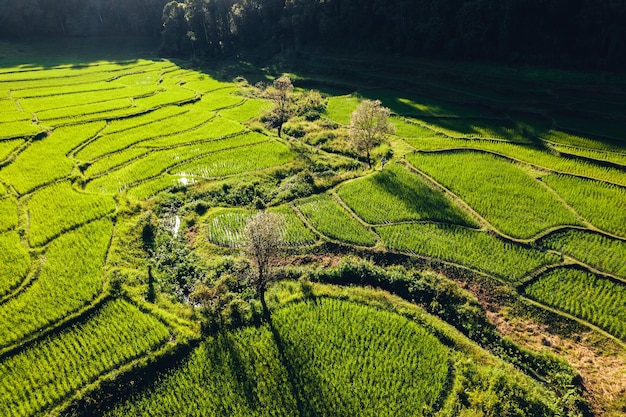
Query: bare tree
x=281 y=94
x=263 y=240
x=369 y=126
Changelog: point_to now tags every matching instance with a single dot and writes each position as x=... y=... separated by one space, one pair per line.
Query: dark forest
x=580 y=33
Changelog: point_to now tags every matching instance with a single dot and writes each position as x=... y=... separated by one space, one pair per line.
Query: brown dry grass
x=600 y=362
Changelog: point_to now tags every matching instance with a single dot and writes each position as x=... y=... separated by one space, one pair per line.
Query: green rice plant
x=330 y=219
x=333 y=358
x=614 y=157
x=249 y=109
x=406 y=128
x=7 y=106
x=220 y=100
x=45 y=160
x=226 y=227
x=58 y=208
x=582 y=142
x=15 y=262
x=472 y=248
x=8 y=213
x=203 y=84
x=590 y=297
x=396 y=195
x=599 y=251
x=9 y=130
x=61 y=73
x=84 y=110
x=537 y=157
x=50 y=371
x=14 y=116
x=9 y=112
x=503 y=193
x=503 y=129
x=8 y=146
x=121 y=140
x=114 y=160
x=340 y=108
x=41 y=105
x=66 y=89
x=600 y=203
x=71 y=277
x=171 y=96
x=144 y=78
x=115 y=126
x=237 y=161
x=218 y=127
x=152 y=187
x=157 y=162
x=295 y=232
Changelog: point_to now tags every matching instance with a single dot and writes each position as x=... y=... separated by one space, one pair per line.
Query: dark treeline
x=589 y=33
x=28 y=18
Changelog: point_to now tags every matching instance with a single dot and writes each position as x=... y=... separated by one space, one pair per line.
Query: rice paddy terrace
x=520 y=192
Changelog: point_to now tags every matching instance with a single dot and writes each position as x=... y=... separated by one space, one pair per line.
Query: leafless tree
x=263 y=241
x=281 y=94
x=369 y=126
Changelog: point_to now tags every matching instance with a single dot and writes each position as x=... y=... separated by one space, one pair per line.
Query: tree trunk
x=280 y=129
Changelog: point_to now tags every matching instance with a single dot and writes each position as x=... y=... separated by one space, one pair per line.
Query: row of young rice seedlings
x=395 y=195
x=121 y=125
x=62 y=72
x=596 y=250
x=335 y=358
x=45 y=160
x=10 y=112
x=152 y=187
x=222 y=99
x=170 y=96
x=109 y=143
x=593 y=298
x=20 y=128
x=218 y=127
x=77 y=78
x=43 y=375
x=157 y=162
x=78 y=113
x=15 y=262
x=503 y=129
x=503 y=193
x=538 y=157
x=7 y=147
x=600 y=203
x=8 y=213
x=78 y=101
x=330 y=219
x=71 y=277
x=39 y=92
x=614 y=157
x=58 y=208
x=226 y=227
x=472 y=248
x=247 y=110
x=236 y=161
x=569 y=139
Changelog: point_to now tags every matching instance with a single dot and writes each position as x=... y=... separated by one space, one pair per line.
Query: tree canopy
x=581 y=32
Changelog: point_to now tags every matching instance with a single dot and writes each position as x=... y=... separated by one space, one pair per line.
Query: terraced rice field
x=84 y=147
x=340 y=354
x=593 y=298
x=72 y=139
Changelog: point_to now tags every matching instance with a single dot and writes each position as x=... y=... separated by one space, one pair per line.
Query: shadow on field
x=76 y=52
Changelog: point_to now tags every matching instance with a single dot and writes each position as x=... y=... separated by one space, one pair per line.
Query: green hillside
x=126 y=186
